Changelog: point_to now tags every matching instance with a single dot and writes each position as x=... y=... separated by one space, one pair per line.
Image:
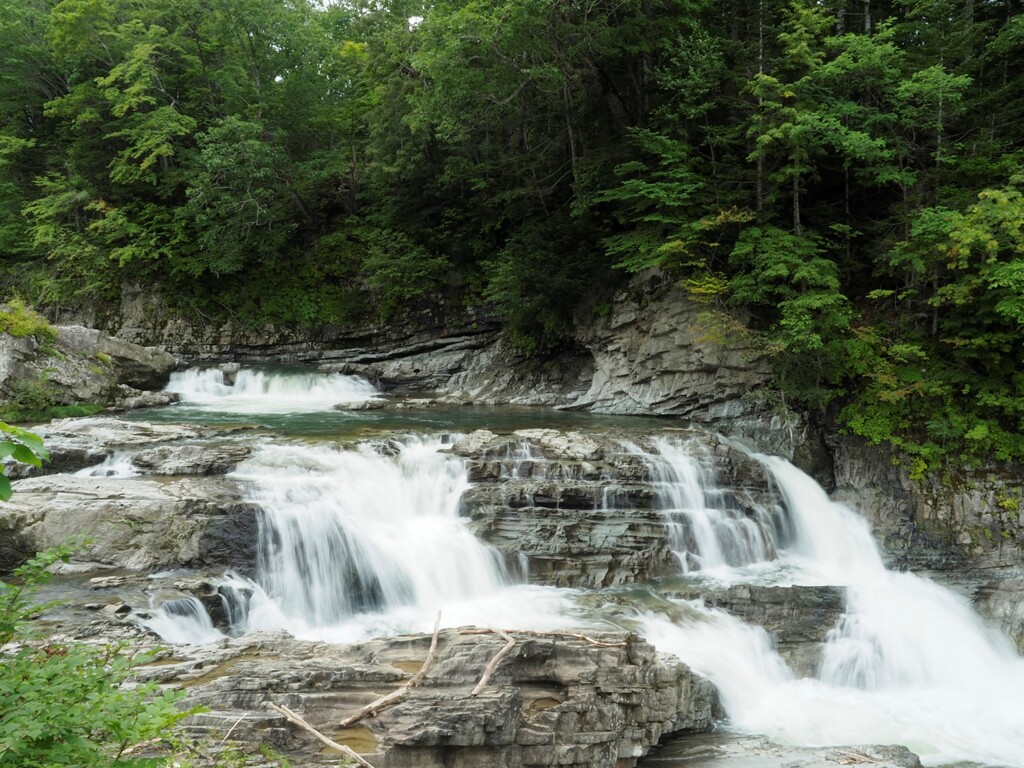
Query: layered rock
x=153 y=449
x=552 y=701
x=799 y=618
x=82 y=365
x=735 y=751
x=577 y=510
x=967 y=518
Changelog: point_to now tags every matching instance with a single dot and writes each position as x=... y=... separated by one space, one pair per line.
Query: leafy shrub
x=20 y=321
x=67 y=703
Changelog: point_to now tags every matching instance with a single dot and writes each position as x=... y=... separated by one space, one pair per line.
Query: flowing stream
x=356 y=542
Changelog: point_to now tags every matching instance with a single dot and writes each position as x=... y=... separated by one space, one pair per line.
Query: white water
x=182 y=622
x=909 y=664
x=356 y=543
x=256 y=392
x=706 y=533
x=118 y=464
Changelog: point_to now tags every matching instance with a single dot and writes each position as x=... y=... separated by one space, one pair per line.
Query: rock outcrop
x=798 y=618
x=969 y=518
x=554 y=700
x=718 y=750
x=82 y=365
x=137 y=523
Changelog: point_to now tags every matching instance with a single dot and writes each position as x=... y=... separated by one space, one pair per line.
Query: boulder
x=717 y=750
x=81 y=365
x=75 y=444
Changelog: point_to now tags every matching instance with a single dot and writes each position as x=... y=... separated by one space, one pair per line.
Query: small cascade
x=347 y=532
x=707 y=531
x=257 y=391
x=182 y=622
x=118 y=464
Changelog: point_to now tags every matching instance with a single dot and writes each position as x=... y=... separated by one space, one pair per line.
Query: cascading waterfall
x=369 y=541
x=706 y=532
x=182 y=621
x=118 y=464
x=910 y=663
x=257 y=391
x=352 y=532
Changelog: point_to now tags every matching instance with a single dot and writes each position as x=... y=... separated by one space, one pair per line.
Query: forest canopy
x=848 y=174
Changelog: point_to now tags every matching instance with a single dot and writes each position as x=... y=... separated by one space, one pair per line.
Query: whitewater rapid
x=909 y=663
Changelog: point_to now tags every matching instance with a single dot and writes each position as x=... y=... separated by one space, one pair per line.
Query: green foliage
x=827 y=172
x=22 y=446
x=68 y=704
x=19 y=320
x=398 y=270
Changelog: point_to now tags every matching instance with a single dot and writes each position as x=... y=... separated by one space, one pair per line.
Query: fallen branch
x=396 y=696
x=569 y=635
x=297 y=720
x=493 y=663
x=856 y=758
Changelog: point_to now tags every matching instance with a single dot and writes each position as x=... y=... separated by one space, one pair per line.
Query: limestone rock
x=798 y=618
x=1002 y=602
x=664 y=354
x=718 y=750
x=576 y=510
x=970 y=517
x=159 y=449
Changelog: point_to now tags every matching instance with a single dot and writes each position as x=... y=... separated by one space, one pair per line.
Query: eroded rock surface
x=721 y=750
x=798 y=618
x=553 y=700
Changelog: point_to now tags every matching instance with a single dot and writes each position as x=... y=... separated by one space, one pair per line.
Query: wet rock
x=362 y=405
x=967 y=518
x=576 y=510
x=230 y=372
x=75 y=444
x=134 y=399
x=208 y=458
x=1001 y=601
x=137 y=523
x=798 y=618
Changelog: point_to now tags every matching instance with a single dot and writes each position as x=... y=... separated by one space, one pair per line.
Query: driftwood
x=568 y=635
x=396 y=696
x=493 y=663
x=299 y=721
x=856 y=757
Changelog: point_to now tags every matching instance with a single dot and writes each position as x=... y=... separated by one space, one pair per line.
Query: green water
x=355 y=425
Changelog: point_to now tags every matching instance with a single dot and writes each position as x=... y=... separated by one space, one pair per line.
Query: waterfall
x=349 y=532
x=118 y=464
x=183 y=621
x=258 y=392
x=706 y=531
x=909 y=663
